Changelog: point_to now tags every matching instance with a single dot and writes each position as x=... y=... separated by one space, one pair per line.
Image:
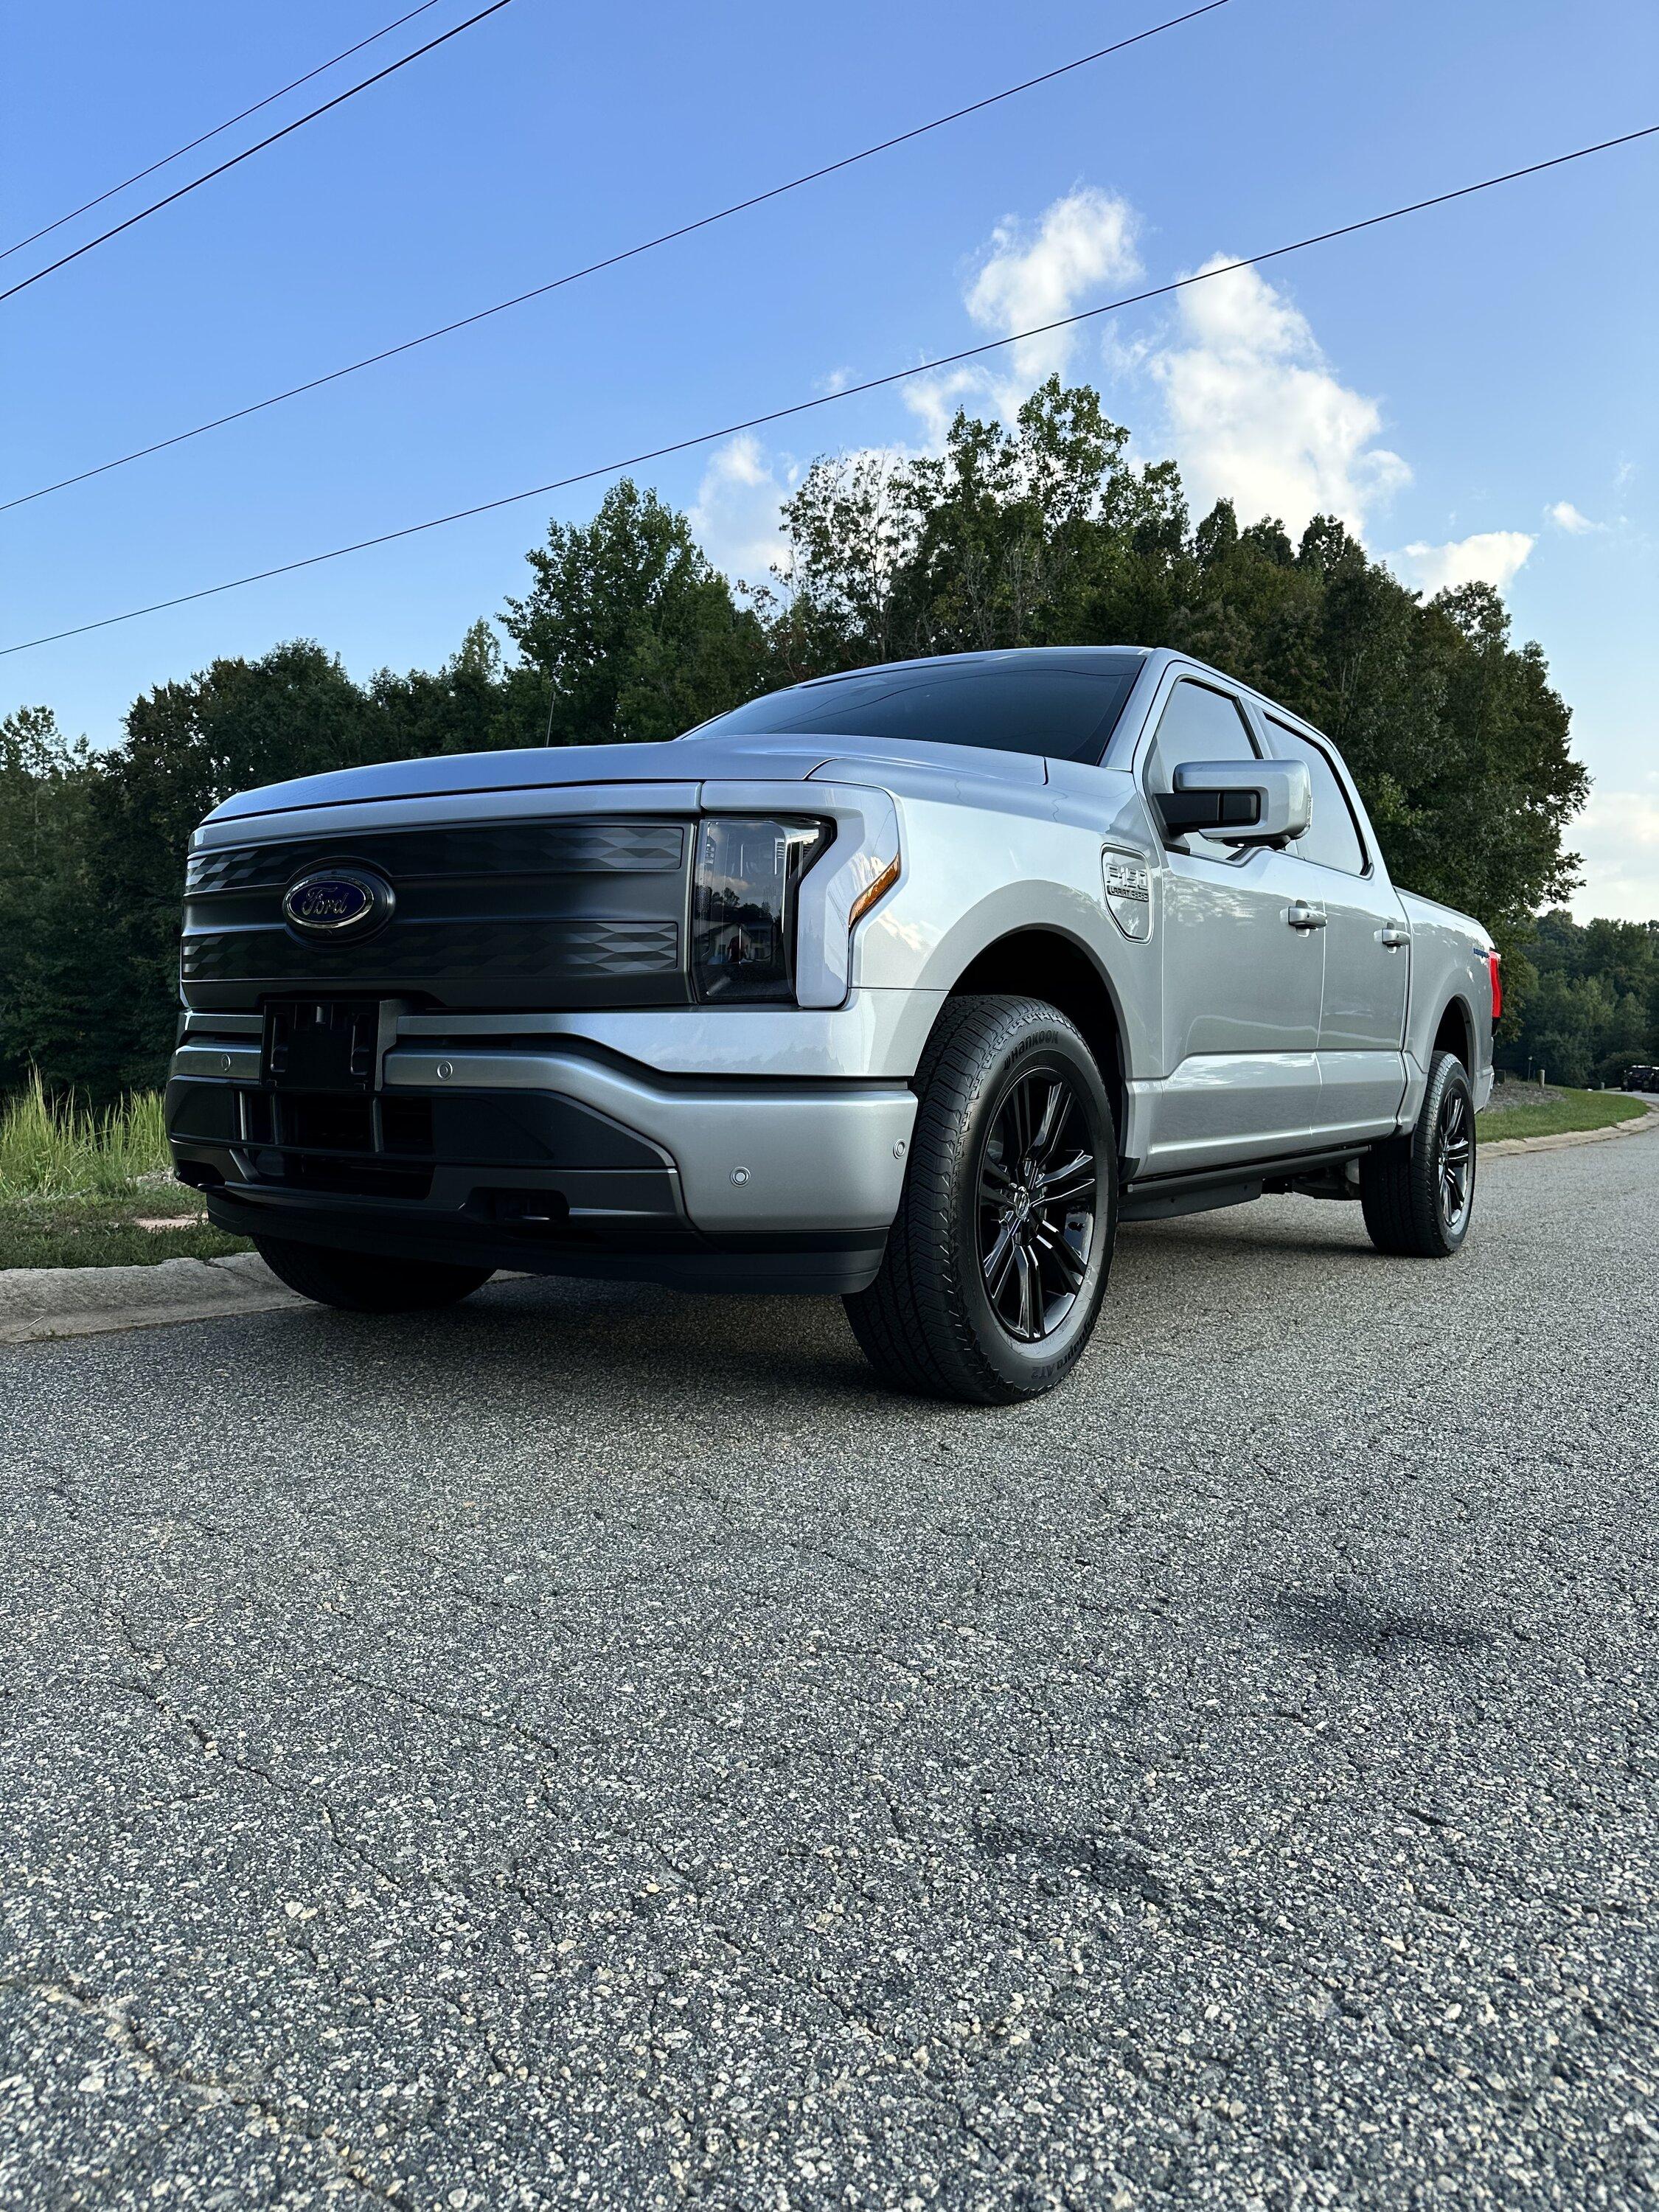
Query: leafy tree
x=52 y=922
x=464 y=708
x=1044 y=532
x=1039 y=531
x=630 y=631
x=1593 y=1004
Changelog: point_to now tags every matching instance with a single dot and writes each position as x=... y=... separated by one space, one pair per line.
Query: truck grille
x=550 y=914
x=523 y=848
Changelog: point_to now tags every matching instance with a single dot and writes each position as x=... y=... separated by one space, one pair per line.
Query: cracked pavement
x=592 y=1748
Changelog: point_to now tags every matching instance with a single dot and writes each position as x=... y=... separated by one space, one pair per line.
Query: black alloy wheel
x=1454 y=1158
x=1418 y=1191
x=1037 y=1191
x=997 y=1262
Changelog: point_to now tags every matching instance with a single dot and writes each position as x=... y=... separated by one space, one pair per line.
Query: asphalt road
x=592 y=1749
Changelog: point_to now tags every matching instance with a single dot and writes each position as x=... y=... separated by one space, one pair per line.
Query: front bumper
x=554 y=1157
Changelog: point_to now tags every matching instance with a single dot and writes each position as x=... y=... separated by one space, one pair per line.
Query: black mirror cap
x=1185 y=811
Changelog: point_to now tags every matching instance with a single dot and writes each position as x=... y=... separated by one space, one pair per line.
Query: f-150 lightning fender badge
x=1129 y=893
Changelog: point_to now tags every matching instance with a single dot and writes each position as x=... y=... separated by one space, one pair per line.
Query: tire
x=1417 y=1193
x=368 y=1282
x=988 y=1291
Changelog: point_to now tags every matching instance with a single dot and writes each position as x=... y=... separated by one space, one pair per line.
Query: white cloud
x=934 y=401
x=1618 y=836
x=734 y=517
x=1253 y=412
x=1491 y=556
x=1039 y=273
x=1565 y=516
x=1030 y=274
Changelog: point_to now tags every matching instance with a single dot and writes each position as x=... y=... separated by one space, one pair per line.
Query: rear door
x=1362 y=1021
x=1242 y=983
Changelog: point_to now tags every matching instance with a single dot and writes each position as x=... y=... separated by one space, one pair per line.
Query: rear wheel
x=997 y=1262
x=364 y=1282
x=1418 y=1192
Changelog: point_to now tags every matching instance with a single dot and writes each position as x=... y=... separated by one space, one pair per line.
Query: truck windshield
x=1066 y=713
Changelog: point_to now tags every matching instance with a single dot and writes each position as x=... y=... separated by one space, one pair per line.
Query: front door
x=1243 y=979
x=1362 y=1025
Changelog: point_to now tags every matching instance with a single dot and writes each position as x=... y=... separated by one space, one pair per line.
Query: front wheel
x=997 y=1262
x=1417 y=1193
x=363 y=1282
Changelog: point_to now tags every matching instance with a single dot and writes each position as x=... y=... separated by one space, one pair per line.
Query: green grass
x=74 y=1185
x=1553 y=1116
x=49 y=1150
x=101 y=1232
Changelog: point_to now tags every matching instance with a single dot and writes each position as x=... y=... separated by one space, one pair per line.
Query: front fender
x=973 y=878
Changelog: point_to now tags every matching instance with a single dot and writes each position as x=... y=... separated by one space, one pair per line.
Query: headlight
x=742 y=905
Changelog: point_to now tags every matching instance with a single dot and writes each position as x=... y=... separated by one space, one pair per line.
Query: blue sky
x=1474 y=387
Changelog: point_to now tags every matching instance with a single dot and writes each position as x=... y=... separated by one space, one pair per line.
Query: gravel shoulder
x=592 y=1748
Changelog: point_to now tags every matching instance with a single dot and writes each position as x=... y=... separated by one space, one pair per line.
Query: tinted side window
x=1197 y=724
x=1332 y=838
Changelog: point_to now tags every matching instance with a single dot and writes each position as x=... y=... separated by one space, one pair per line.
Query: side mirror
x=1258 y=802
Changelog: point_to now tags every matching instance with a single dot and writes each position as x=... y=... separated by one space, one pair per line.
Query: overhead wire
x=609 y=260
x=218 y=130
x=846 y=391
x=91 y=244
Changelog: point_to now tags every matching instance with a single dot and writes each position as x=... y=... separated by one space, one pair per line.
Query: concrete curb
x=39 y=1302
x=1492 y=1149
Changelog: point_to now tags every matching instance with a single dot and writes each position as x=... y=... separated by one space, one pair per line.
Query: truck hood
x=681 y=760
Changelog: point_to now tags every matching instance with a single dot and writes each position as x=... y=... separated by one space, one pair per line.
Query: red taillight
x=1493 y=959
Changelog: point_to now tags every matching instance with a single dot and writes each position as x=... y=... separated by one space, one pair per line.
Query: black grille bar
x=524 y=848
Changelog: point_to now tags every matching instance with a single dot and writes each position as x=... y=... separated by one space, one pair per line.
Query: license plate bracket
x=323 y=1044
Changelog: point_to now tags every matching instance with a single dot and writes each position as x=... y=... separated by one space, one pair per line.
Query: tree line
x=1040 y=531
x=1592 y=1006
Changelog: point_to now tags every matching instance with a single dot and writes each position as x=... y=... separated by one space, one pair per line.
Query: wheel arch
x=1040 y=961
x=1454 y=1032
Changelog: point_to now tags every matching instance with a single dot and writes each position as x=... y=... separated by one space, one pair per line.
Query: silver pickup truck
x=908 y=985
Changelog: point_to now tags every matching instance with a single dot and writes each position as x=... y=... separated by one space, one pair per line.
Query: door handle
x=1393 y=936
x=1301 y=916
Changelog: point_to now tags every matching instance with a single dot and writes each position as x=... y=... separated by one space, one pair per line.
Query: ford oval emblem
x=337 y=902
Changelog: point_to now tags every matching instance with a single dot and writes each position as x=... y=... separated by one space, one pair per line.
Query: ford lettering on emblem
x=337 y=902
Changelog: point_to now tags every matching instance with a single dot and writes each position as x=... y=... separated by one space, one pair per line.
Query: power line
x=611 y=261
x=229 y=124
x=829 y=398
x=248 y=152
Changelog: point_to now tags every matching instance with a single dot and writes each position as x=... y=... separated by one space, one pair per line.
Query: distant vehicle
x=1640 y=1079
x=906 y=985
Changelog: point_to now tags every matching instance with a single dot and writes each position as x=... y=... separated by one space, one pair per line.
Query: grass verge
x=49 y=1150
x=77 y=1186
x=1554 y=1116
x=103 y=1232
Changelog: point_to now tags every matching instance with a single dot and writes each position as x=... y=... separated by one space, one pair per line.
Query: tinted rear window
x=1064 y=713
